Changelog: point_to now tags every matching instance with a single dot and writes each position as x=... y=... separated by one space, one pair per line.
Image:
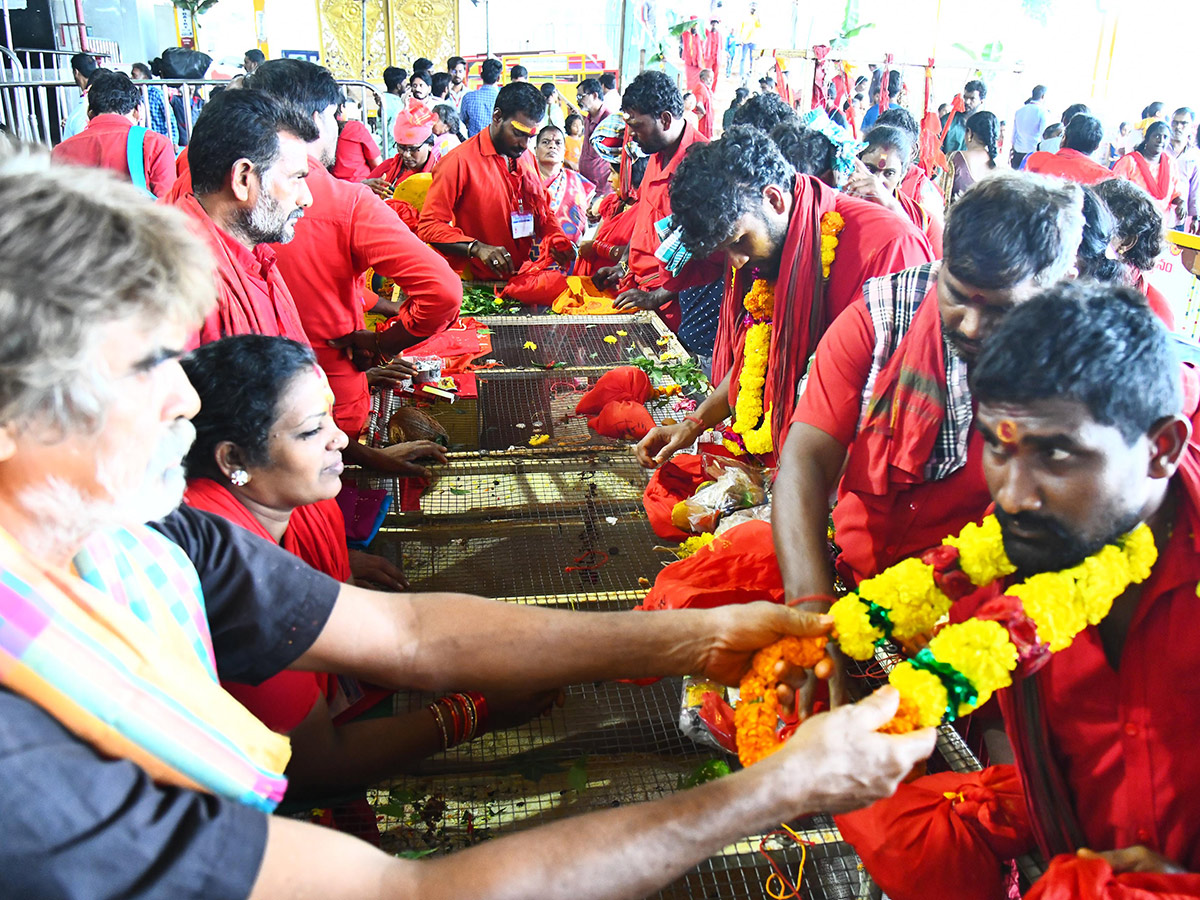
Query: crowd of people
x=908 y=333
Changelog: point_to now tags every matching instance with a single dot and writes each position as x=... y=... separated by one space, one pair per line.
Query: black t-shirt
x=74 y=824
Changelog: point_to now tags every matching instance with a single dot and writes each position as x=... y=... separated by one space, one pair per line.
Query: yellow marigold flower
x=853 y=629
x=1141 y=553
x=622 y=333
x=610 y=339
x=981 y=651
x=497 y=302
x=832 y=222
x=1051 y=600
x=757 y=714
x=981 y=552
x=760 y=300
x=923 y=690
x=738 y=451
x=538 y=439
x=530 y=345
x=694 y=543
x=907 y=590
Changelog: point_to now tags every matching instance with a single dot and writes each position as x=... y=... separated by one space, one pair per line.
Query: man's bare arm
x=809 y=468
x=835 y=762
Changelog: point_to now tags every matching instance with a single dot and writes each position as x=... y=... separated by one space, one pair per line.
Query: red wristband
x=695 y=419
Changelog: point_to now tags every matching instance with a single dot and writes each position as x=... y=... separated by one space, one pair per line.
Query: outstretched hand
x=664 y=441
x=401 y=459
x=738 y=632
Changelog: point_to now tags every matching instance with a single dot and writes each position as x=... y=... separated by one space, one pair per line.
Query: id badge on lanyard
x=522 y=222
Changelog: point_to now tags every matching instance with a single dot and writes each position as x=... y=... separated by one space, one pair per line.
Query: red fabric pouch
x=1072 y=878
x=675 y=480
x=625 y=383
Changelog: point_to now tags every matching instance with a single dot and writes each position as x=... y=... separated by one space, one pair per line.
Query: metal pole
x=364 y=40
x=621 y=44
x=487 y=28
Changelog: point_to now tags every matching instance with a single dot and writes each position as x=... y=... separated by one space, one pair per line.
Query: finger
x=877 y=709
x=804 y=624
x=341 y=343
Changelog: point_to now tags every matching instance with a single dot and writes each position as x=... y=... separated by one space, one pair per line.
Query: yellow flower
x=610 y=339
x=981 y=651
x=497 y=302
x=664 y=340
x=923 y=690
x=738 y=451
x=694 y=543
x=907 y=590
x=757 y=714
x=748 y=418
x=832 y=223
x=1141 y=552
x=1050 y=600
x=538 y=439
x=853 y=629
x=760 y=300
x=530 y=345
x=981 y=552
x=622 y=333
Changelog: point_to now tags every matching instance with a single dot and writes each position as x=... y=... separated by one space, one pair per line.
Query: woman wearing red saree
x=883 y=164
x=268 y=457
x=1150 y=167
x=618 y=213
x=568 y=191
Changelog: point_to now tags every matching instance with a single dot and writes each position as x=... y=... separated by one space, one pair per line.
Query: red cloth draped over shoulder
x=943 y=835
x=1069 y=164
x=739 y=566
x=317 y=534
x=1072 y=878
x=929 y=226
x=874 y=242
x=1155 y=299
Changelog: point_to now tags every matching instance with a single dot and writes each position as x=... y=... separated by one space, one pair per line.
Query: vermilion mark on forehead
x=1007 y=431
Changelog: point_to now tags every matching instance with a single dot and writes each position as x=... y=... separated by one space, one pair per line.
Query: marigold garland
x=756 y=716
x=965 y=663
x=831 y=226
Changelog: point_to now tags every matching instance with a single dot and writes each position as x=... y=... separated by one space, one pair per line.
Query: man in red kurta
x=114 y=105
x=416 y=151
x=346 y=231
x=706 y=100
x=249 y=164
x=487 y=205
x=1073 y=161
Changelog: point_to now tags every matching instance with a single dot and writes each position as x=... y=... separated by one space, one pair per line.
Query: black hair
x=449 y=116
x=893 y=138
x=809 y=152
x=523 y=97
x=740 y=96
x=1010 y=227
x=441 y=84
x=1185 y=111
x=985 y=128
x=895 y=82
x=453 y=63
x=764 y=112
x=1136 y=218
x=1054 y=129
x=1093 y=259
x=423 y=74
x=1152 y=127
x=491 y=70
x=83 y=64
x=305 y=85
x=1083 y=133
x=421 y=64
x=112 y=92
x=1153 y=109
x=256 y=56
x=571 y=120
x=1075 y=109
x=899 y=117
x=588 y=86
x=637 y=170
x=719 y=182
x=608 y=81
x=517 y=72
x=394 y=77
x=551 y=127
x=975 y=85
x=141 y=67
x=548 y=89
x=1095 y=344
x=240 y=381
x=1039 y=92
x=241 y=125
x=652 y=94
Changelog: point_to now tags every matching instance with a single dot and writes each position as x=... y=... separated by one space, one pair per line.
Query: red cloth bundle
x=671 y=482
x=737 y=567
x=623 y=420
x=944 y=835
x=537 y=283
x=1073 y=878
x=625 y=383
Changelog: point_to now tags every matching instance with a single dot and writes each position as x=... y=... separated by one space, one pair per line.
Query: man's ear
x=775 y=199
x=244 y=180
x=666 y=119
x=1168 y=440
x=8 y=442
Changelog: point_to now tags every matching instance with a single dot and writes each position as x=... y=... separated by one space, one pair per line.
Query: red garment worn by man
x=347 y=230
x=885 y=412
x=114 y=105
x=740 y=197
x=706 y=101
x=653 y=107
x=712 y=49
x=1073 y=161
x=487 y=204
x=593 y=167
x=248 y=168
x=690 y=53
x=416 y=150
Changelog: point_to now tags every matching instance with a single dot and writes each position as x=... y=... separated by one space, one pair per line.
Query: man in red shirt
x=114 y=107
x=653 y=107
x=248 y=160
x=740 y=197
x=487 y=204
x=707 y=102
x=1073 y=161
x=345 y=231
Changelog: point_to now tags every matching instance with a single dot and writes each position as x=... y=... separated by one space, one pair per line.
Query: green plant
x=195 y=7
x=685 y=371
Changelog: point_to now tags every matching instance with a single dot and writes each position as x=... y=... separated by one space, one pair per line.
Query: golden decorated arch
x=397 y=32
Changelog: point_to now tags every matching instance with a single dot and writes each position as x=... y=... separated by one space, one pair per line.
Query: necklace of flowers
x=966 y=662
x=751 y=422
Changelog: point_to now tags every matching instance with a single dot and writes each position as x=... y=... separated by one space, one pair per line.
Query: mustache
x=175 y=443
x=1027 y=521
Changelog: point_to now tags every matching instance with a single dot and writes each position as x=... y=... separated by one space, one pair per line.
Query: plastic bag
x=184 y=64
x=705 y=716
x=671 y=482
x=735 y=488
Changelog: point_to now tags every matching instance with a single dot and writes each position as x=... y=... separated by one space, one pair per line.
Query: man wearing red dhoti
x=706 y=101
x=249 y=168
x=885 y=413
x=1073 y=161
x=691 y=53
x=740 y=197
x=653 y=108
x=1086 y=421
x=710 y=50
x=487 y=204
x=346 y=231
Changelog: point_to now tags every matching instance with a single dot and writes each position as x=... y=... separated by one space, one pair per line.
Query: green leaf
x=857 y=30
x=458 y=491
x=577 y=775
x=968 y=51
x=710 y=770
x=679 y=28
x=414 y=854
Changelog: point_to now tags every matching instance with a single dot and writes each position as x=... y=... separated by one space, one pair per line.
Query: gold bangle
x=437 y=716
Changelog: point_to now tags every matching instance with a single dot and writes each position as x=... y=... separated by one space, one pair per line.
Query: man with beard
x=125 y=770
x=457 y=67
x=487 y=205
x=1084 y=420
x=345 y=231
x=249 y=169
x=739 y=197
